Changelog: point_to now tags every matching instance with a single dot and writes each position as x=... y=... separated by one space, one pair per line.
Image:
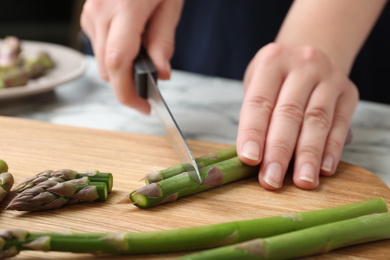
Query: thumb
x=159 y=38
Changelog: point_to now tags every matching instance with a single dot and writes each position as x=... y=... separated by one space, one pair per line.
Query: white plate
x=70 y=64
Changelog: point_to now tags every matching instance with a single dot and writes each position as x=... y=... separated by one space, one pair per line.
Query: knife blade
x=145 y=76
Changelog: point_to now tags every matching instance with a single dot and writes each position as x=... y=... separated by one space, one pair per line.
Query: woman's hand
x=299 y=102
x=117 y=28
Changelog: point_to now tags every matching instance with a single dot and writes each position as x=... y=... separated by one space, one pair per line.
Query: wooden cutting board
x=30 y=147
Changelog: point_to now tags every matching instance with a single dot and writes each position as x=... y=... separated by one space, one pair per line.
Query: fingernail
x=273 y=175
x=327 y=163
x=307 y=173
x=250 y=150
x=348 y=139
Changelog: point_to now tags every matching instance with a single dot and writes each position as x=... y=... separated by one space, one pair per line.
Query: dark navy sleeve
x=220 y=37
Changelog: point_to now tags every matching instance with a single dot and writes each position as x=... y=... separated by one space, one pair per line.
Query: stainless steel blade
x=171 y=128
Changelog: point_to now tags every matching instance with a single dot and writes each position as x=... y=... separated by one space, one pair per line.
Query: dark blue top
x=220 y=37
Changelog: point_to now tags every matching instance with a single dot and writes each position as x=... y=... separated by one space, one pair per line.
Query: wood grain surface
x=30 y=147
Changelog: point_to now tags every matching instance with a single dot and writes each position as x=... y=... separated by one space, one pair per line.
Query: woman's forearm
x=337 y=27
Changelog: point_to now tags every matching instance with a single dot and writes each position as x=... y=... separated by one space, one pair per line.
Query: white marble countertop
x=206 y=108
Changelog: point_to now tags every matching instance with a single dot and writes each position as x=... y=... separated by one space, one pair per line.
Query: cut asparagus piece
x=181 y=185
x=52 y=194
x=307 y=242
x=6 y=182
x=65 y=175
x=203 y=161
x=178 y=240
x=3 y=166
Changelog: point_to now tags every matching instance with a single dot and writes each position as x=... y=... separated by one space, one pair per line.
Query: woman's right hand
x=117 y=28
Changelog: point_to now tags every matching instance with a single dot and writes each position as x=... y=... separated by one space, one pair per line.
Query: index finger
x=261 y=93
x=122 y=47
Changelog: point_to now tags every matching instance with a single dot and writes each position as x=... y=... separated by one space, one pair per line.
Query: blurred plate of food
x=29 y=67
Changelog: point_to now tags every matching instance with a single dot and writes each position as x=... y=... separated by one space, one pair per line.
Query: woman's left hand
x=298 y=101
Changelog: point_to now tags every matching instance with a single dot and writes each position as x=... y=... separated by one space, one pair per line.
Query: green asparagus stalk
x=52 y=194
x=203 y=161
x=6 y=182
x=307 y=242
x=178 y=240
x=169 y=190
x=65 y=175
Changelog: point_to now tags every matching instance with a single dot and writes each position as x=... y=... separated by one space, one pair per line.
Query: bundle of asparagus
x=170 y=184
x=66 y=175
x=351 y=230
x=6 y=180
x=53 y=189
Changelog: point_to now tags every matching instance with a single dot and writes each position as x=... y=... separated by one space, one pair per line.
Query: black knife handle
x=141 y=75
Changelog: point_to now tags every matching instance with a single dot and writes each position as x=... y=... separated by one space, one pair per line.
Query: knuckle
x=87 y=13
x=290 y=110
x=313 y=61
x=256 y=132
x=269 y=52
x=353 y=91
x=84 y=21
x=168 y=44
x=318 y=117
x=310 y=54
x=113 y=58
x=311 y=151
x=92 y=7
x=156 y=43
x=260 y=103
x=282 y=149
x=335 y=144
x=342 y=118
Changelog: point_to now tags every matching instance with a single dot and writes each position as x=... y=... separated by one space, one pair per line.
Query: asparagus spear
x=181 y=185
x=311 y=241
x=13 y=241
x=6 y=182
x=65 y=175
x=52 y=194
x=203 y=161
x=3 y=166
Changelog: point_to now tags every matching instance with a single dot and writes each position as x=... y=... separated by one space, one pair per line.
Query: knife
x=145 y=76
